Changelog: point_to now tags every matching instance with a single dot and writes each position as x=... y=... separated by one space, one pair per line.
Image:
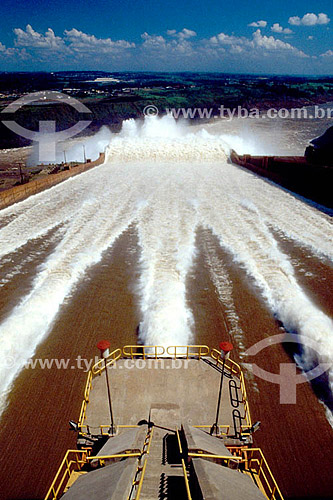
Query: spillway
x=166 y=184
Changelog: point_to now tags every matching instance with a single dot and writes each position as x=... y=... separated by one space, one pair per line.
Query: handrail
x=95 y=370
x=138 y=493
x=188 y=491
x=150 y=438
x=255 y=463
x=179 y=442
x=144 y=351
x=236 y=370
x=230 y=365
x=85 y=401
x=155 y=352
x=85 y=429
x=253 y=458
x=88 y=386
x=82 y=416
x=247 y=415
x=147 y=444
x=101 y=365
x=262 y=469
x=210 y=455
x=141 y=469
x=202 y=350
x=117 y=455
x=101 y=458
x=55 y=491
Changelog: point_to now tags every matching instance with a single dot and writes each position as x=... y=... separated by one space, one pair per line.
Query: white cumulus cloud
x=328 y=53
x=309 y=19
x=273 y=44
x=31 y=38
x=73 y=45
x=227 y=39
x=82 y=42
x=258 y=45
x=172 y=50
x=73 y=42
x=258 y=24
x=153 y=41
x=279 y=29
x=183 y=34
x=178 y=46
x=8 y=52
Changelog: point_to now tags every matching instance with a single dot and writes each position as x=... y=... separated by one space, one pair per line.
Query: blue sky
x=292 y=36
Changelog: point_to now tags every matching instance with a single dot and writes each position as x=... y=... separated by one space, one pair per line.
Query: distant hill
x=113 y=97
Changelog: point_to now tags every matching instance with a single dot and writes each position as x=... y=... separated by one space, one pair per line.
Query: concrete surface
x=220 y=483
x=112 y=482
x=136 y=385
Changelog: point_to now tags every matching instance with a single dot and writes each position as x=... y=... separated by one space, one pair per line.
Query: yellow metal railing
x=110 y=360
x=155 y=352
x=256 y=465
x=84 y=429
x=104 y=429
x=72 y=462
x=88 y=386
x=188 y=351
x=101 y=458
x=230 y=365
x=236 y=370
x=82 y=416
x=85 y=398
x=96 y=370
x=187 y=486
x=140 y=484
x=144 y=351
x=226 y=458
x=252 y=459
x=148 y=441
x=141 y=469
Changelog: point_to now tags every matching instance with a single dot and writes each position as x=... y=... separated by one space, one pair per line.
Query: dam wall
x=23 y=191
x=294 y=173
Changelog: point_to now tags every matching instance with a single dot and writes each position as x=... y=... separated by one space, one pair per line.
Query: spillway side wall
x=19 y=193
x=295 y=173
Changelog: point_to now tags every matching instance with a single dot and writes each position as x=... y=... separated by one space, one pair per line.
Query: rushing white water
x=168 y=180
x=166 y=234
x=223 y=285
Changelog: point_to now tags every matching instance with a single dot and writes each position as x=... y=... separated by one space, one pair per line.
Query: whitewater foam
x=166 y=228
x=89 y=232
x=162 y=140
x=168 y=180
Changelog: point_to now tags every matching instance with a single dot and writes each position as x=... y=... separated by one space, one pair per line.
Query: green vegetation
x=118 y=96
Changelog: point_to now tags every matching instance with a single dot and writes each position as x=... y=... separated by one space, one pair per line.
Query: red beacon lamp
x=225 y=349
x=104 y=347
